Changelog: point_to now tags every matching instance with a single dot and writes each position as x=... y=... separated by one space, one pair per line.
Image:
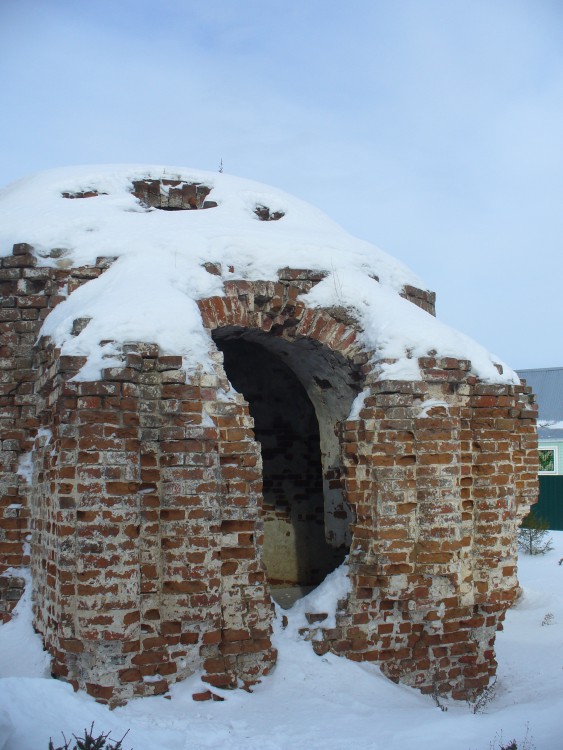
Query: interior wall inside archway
x=298 y=392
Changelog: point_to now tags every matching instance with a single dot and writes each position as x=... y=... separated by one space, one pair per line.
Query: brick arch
x=275 y=316
x=275 y=307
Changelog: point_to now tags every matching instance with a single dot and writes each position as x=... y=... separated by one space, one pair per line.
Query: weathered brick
x=153 y=510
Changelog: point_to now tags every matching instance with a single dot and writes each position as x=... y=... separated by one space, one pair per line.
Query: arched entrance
x=297 y=393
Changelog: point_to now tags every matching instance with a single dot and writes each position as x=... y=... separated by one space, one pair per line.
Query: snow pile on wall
x=149 y=292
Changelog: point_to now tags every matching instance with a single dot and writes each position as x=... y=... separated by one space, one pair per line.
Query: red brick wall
x=146 y=505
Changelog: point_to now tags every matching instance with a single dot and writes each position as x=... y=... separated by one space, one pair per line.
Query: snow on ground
x=311 y=702
x=149 y=292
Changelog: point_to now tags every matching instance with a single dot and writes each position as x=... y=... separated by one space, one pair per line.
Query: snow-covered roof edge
x=149 y=294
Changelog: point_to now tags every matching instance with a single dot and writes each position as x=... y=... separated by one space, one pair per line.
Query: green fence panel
x=550 y=504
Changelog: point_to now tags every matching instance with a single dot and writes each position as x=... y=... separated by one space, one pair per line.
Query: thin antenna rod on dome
x=221 y=165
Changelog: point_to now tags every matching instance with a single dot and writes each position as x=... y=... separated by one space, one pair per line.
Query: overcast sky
x=432 y=128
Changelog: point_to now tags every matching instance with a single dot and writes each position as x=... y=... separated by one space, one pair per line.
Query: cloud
x=433 y=129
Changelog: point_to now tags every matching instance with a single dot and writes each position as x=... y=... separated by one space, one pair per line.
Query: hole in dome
x=172 y=195
x=265 y=214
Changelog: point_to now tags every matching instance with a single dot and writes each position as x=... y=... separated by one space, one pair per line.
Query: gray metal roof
x=547 y=384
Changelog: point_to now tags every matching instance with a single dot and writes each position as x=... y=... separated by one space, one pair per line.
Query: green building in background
x=547 y=384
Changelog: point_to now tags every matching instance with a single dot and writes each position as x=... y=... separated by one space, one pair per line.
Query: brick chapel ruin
x=161 y=502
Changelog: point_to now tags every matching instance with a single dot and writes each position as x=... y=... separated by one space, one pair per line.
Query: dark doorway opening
x=296 y=551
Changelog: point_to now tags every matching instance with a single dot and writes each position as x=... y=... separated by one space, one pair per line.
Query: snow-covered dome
x=248 y=231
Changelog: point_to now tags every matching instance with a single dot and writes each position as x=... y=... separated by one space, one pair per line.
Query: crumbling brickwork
x=139 y=496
